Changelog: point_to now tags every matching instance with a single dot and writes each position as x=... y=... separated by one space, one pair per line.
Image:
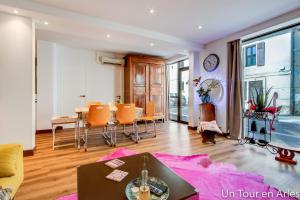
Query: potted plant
x=260 y=101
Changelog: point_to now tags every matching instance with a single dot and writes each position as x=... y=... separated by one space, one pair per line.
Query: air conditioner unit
x=108 y=60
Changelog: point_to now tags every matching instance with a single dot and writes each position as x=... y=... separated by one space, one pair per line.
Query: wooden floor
x=50 y=174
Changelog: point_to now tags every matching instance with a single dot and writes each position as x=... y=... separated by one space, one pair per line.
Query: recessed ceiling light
x=108 y=36
x=152 y=11
x=151 y=44
x=46 y=23
x=16 y=11
x=200 y=27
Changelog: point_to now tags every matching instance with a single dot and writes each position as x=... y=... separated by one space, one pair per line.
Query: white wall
x=17 y=122
x=75 y=73
x=45 y=86
x=220 y=48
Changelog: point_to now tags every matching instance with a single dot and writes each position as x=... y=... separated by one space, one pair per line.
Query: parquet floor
x=50 y=174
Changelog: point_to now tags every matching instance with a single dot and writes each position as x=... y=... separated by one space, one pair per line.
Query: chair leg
x=115 y=135
x=154 y=126
x=53 y=136
x=137 y=137
x=85 y=139
x=111 y=138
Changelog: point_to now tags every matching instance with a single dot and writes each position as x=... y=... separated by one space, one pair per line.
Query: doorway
x=178 y=91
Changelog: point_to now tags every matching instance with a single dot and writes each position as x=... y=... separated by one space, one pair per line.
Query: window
x=250 y=55
x=272 y=62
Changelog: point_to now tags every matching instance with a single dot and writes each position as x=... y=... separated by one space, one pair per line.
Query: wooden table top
x=92 y=184
x=85 y=109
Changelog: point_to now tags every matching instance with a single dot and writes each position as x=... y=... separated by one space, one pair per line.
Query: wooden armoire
x=144 y=80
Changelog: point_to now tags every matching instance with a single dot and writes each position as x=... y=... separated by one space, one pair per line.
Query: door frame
x=180 y=70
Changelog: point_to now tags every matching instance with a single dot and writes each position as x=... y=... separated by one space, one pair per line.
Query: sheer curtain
x=234 y=90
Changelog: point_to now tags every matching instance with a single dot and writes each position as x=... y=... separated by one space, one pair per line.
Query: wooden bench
x=285 y=154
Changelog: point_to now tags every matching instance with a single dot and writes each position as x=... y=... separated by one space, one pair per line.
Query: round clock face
x=211 y=62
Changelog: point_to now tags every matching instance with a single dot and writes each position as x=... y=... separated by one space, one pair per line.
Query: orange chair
x=125 y=115
x=90 y=103
x=149 y=117
x=98 y=116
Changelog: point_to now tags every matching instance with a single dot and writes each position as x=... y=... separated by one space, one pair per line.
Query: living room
x=149 y=99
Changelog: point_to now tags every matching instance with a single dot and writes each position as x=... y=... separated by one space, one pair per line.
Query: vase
x=205 y=99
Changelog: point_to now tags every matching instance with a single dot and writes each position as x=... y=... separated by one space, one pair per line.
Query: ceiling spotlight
x=152 y=11
x=16 y=11
x=200 y=27
x=46 y=23
x=108 y=36
x=151 y=44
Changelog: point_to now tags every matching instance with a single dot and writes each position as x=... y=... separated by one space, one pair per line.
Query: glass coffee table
x=92 y=184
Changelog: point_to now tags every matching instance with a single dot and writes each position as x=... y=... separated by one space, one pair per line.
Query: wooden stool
x=62 y=120
x=207 y=113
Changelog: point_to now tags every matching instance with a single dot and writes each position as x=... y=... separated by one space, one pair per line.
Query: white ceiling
x=173 y=28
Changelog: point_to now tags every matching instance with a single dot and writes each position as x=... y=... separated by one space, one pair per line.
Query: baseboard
x=192 y=128
x=29 y=152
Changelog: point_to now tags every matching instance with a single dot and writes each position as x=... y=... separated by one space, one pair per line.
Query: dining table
x=83 y=110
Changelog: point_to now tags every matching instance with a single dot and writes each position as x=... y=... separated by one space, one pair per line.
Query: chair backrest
x=150 y=109
x=98 y=115
x=125 y=113
x=90 y=103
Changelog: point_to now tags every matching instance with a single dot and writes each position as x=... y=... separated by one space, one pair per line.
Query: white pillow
x=211 y=126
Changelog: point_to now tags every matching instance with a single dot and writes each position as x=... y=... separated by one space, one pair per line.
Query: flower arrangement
x=204 y=93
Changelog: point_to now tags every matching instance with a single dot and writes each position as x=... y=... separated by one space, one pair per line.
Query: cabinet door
x=140 y=97
x=139 y=74
x=156 y=87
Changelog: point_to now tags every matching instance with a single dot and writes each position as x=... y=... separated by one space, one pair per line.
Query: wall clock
x=211 y=62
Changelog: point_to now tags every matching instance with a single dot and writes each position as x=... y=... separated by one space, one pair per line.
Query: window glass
x=251 y=55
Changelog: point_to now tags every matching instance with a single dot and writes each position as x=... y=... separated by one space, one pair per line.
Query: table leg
x=53 y=136
x=78 y=131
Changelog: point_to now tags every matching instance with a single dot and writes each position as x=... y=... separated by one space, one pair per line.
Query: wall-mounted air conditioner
x=108 y=60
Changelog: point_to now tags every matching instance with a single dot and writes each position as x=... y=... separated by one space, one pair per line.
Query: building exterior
x=272 y=61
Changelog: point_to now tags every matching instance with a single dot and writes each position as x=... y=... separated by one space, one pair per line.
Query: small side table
x=63 y=120
x=207 y=113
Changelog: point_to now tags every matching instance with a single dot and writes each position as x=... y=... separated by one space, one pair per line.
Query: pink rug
x=214 y=181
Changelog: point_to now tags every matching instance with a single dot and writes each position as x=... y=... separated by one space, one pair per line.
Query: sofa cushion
x=8 y=161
